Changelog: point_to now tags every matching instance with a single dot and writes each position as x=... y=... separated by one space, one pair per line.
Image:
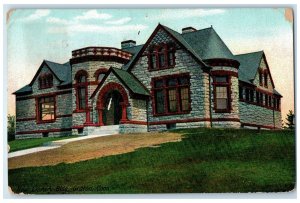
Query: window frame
x=45 y=81
x=165 y=88
x=226 y=84
x=39 y=110
x=79 y=85
x=154 y=56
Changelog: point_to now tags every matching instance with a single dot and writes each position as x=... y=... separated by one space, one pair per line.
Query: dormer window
x=161 y=57
x=46 y=81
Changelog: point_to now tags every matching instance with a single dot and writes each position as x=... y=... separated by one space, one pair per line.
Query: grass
x=17 y=145
x=206 y=160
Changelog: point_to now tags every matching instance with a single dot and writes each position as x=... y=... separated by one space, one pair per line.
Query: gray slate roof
x=131 y=82
x=61 y=71
x=207 y=44
x=249 y=63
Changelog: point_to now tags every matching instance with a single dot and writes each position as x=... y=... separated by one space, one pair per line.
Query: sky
x=37 y=34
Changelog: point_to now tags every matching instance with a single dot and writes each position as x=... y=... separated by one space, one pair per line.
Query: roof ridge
x=249 y=53
x=207 y=28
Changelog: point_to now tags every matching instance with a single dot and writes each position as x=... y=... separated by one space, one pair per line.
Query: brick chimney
x=188 y=29
x=127 y=44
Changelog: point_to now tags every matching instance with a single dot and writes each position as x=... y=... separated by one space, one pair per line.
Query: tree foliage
x=11 y=127
x=290 y=119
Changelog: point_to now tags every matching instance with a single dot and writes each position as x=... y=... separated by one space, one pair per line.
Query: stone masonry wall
x=258 y=115
x=185 y=63
x=26 y=109
x=91 y=67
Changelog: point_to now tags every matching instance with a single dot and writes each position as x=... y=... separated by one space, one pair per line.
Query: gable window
x=81 y=90
x=46 y=81
x=221 y=94
x=241 y=96
x=171 y=94
x=46 y=109
x=265 y=79
x=161 y=57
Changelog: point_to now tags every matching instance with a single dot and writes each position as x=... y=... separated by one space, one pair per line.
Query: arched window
x=81 y=89
x=99 y=74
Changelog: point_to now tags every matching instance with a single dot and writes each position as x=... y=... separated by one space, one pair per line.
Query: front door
x=112 y=112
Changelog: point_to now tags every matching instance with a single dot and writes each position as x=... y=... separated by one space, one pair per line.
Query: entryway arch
x=112 y=104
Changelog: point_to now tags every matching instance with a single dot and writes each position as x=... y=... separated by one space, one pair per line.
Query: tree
x=11 y=127
x=290 y=118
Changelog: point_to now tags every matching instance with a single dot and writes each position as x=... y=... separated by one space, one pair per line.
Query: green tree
x=11 y=127
x=290 y=119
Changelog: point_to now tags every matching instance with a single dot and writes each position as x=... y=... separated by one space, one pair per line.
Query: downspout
x=147 y=114
x=210 y=103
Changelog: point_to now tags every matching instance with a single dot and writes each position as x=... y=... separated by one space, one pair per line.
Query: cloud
x=119 y=21
x=170 y=14
x=90 y=28
x=93 y=14
x=59 y=21
x=39 y=13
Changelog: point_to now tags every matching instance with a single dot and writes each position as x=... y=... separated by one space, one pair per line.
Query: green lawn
x=17 y=145
x=206 y=160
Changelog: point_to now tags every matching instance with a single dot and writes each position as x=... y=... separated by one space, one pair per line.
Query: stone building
x=172 y=81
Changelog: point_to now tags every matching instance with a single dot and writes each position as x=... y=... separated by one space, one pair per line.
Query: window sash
x=46 y=109
x=81 y=98
x=160 y=101
x=221 y=97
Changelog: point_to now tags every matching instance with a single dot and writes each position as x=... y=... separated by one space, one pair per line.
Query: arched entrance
x=112 y=112
x=112 y=104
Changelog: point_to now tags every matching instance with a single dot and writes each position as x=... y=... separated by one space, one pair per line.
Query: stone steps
x=104 y=130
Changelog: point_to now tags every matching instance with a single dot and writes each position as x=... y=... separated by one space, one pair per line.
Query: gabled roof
x=134 y=50
x=24 y=90
x=61 y=71
x=249 y=64
x=176 y=36
x=207 y=44
x=128 y=80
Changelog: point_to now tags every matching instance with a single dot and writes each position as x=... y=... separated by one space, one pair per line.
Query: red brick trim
x=134 y=122
x=25 y=119
x=258 y=126
x=44 y=131
x=83 y=59
x=45 y=95
x=99 y=71
x=224 y=73
x=109 y=87
x=77 y=126
x=193 y=120
x=222 y=62
x=63 y=116
x=34 y=118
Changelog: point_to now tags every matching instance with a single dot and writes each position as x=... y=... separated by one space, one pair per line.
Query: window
x=100 y=74
x=260 y=78
x=266 y=79
x=81 y=89
x=247 y=94
x=241 y=92
x=257 y=98
x=270 y=101
x=46 y=109
x=161 y=57
x=171 y=95
x=251 y=95
x=221 y=94
x=46 y=81
x=266 y=100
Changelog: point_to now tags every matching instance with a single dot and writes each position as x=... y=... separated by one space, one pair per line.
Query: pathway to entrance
x=85 y=149
x=51 y=145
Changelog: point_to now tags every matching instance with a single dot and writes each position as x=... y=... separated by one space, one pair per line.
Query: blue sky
x=35 y=35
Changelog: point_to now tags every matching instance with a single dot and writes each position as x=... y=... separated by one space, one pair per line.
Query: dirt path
x=92 y=148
